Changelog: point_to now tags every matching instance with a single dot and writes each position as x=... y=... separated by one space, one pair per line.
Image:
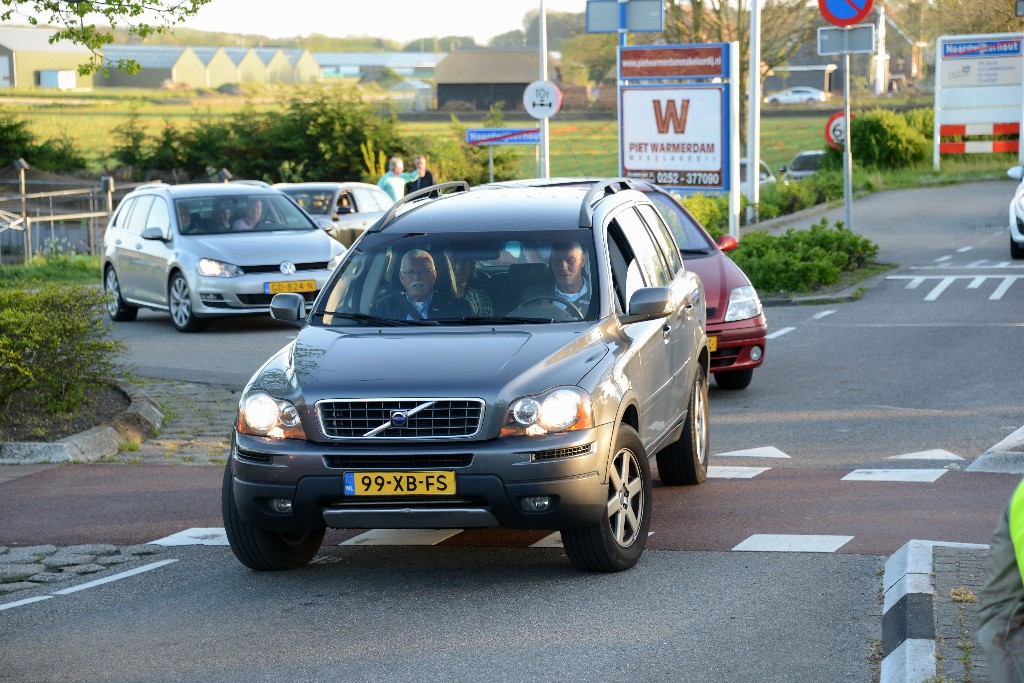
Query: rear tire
x=731 y=381
x=179 y=302
x=262 y=549
x=1016 y=250
x=686 y=460
x=616 y=542
x=117 y=309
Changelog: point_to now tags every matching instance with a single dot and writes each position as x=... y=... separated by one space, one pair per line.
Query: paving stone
x=30 y=551
x=91 y=549
x=108 y=560
x=142 y=549
x=51 y=577
x=17 y=571
x=58 y=560
x=84 y=569
x=15 y=587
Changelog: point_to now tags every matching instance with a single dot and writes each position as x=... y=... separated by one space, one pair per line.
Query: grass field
x=577 y=147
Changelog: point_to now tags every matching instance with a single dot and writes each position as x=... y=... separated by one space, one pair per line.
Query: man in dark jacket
x=425 y=179
x=419 y=300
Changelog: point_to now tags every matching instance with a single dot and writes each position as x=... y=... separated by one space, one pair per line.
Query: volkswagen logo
x=288 y=268
x=399 y=418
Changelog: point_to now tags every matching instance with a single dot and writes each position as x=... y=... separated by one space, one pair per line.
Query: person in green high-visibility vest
x=1001 y=601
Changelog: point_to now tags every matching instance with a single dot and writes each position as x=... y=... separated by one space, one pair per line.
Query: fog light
x=755 y=353
x=536 y=503
x=282 y=505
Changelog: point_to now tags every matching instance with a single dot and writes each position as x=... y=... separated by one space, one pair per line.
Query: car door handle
x=666 y=331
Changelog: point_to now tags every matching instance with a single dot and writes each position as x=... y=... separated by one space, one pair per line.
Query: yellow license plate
x=712 y=344
x=297 y=286
x=399 y=483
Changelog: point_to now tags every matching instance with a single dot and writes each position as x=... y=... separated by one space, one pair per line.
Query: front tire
x=262 y=549
x=737 y=379
x=117 y=309
x=616 y=542
x=179 y=301
x=686 y=460
x=1016 y=250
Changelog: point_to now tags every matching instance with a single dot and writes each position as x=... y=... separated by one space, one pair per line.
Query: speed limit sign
x=835 y=130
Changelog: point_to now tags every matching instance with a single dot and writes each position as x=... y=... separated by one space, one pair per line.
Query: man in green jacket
x=1001 y=608
x=393 y=182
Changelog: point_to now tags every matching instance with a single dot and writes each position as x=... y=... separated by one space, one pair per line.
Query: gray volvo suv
x=508 y=356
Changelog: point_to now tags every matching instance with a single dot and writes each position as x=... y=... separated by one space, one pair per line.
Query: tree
x=561 y=25
x=76 y=22
x=589 y=57
x=975 y=16
x=785 y=26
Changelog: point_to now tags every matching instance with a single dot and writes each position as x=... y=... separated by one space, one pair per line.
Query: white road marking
x=115 y=577
x=402 y=537
x=719 y=472
x=763 y=452
x=943 y=258
x=793 y=543
x=914 y=283
x=551 y=541
x=976 y=282
x=1001 y=289
x=26 y=601
x=195 y=536
x=964 y=250
x=976 y=264
x=819 y=316
x=921 y=476
x=939 y=288
x=779 y=333
x=934 y=454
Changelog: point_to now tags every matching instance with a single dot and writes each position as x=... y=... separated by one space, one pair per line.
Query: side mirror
x=649 y=303
x=1016 y=172
x=342 y=210
x=727 y=243
x=153 y=234
x=288 y=309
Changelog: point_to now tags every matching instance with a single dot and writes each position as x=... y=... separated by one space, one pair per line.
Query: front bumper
x=492 y=479
x=215 y=296
x=735 y=341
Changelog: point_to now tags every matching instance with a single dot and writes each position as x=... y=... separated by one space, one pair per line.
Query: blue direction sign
x=503 y=136
x=844 y=12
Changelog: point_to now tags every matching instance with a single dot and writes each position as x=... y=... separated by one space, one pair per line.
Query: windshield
x=316 y=203
x=806 y=162
x=489 y=278
x=237 y=213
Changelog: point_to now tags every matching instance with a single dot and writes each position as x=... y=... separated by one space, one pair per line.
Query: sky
x=399 y=20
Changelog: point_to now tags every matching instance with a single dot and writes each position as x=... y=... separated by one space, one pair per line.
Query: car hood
x=494 y=364
x=720 y=276
x=260 y=248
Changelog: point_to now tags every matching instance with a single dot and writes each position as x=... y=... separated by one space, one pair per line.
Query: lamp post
x=23 y=166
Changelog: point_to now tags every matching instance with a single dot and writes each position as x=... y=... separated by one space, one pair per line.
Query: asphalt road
x=922 y=363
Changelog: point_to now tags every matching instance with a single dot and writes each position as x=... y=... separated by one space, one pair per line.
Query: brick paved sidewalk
x=958 y=574
x=197 y=424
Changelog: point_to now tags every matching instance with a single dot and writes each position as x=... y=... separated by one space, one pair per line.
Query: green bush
x=711 y=211
x=883 y=138
x=16 y=140
x=54 y=342
x=922 y=120
x=802 y=260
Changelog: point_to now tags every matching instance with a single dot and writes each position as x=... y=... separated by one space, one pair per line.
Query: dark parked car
x=210 y=250
x=803 y=164
x=736 y=324
x=405 y=402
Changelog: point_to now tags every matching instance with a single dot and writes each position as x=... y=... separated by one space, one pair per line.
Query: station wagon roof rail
x=457 y=185
x=598 y=192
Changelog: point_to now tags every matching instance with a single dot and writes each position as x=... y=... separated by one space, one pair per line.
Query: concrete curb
x=1007 y=456
x=908 y=612
x=142 y=419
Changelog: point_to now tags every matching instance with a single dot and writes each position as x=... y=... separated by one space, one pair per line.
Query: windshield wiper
x=496 y=320
x=362 y=318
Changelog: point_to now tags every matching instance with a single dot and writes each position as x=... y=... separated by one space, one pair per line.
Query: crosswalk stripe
x=792 y=543
x=195 y=536
x=402 y=537
x=550 y=541
x=762 y=452
x=921 y=475
x=933 y=454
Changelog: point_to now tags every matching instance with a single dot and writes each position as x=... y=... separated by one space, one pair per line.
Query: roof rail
x=598 y=192
x=457 y=185
x=146 y=186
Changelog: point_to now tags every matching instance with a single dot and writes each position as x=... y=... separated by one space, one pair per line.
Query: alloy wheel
x=626 y=499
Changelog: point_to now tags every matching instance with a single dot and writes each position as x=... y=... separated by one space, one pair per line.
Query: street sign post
x=501 y=136
x=845 y=12
x=859 y=39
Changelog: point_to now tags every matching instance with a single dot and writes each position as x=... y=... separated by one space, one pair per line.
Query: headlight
x=743 y=304
x=261 y=414
x=564 y=409
x=207 y=267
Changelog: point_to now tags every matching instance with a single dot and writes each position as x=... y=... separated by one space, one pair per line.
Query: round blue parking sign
x=845 y=12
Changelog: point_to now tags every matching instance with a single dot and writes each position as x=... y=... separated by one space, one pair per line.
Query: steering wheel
x=569 y=306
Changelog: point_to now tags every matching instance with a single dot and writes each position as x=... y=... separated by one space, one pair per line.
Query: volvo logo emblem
x=399 y=418
x=288 y=268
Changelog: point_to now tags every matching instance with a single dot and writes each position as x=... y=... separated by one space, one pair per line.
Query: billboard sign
x=677 y=135
x=674 y=61
x=969 y=63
